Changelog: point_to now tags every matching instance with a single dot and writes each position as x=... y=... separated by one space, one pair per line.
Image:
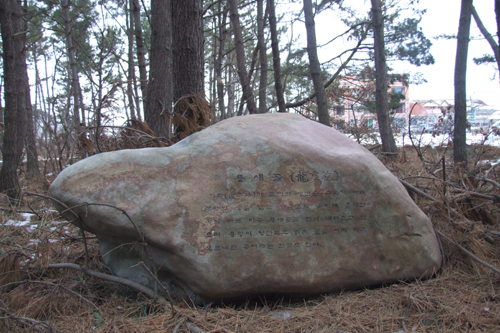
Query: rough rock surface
x=261 y=204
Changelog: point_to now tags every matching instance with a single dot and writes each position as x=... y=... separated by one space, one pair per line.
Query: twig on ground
x=112 y=278
x=55 y=200
x=416 y=190
x=29 y=322
x=409 y=305
x=496 y=233
x=425 y=195
x=179 y=324
x=493 y=268
x=68 y=290
x=193 y=328
x=491 y=181
x=492 y=168
x=374 y=147
x=78 y=220
x=467 y=194
x=14 y=210
x=33 y=211
x=443 y=162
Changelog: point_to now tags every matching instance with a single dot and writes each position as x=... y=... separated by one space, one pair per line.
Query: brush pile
x=191 y=114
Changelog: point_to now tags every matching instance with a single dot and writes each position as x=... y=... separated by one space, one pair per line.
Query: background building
x=352 y=101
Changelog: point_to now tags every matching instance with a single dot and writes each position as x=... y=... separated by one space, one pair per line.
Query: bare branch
x=134 y=285
x=337 y=73
x=463 y=249
x=487 y=35
x=414 y=189
x=31 y=323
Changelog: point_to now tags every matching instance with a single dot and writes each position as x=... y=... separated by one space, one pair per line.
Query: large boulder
x=256 y=205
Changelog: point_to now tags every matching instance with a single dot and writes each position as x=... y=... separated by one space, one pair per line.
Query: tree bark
x=32 y=168
x=262 y=57
x=1 y=106
x=278 y=85
x=141 y=51
x=240 y=57
x=159 y=92
x=187 y=47
x=497 y=15
x=16 y=83
x=230 y=84
x=381 y=81
x=75 y=82
x=315 y=66
x=211 y=67
x=222 y=18
x=131 y=66
x=459 y=135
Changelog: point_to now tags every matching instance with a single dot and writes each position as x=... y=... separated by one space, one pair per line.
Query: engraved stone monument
x=270 y=204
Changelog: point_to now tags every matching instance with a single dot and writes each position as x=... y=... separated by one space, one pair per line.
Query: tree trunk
x=141 y=51
x=75 y=82
x=497 y=15
x=381 y=82
x=32 y=168
x=215 y=54
x=16 y=83
x=459 y=143
x=278 y=86
x=314 y=65
x=187 y=46
x=159 y=94
x=218 y=62
x=1 y=106
x=230 y=84
x=131 y=66
x=213 y=57
x=262 y=57
x=240 y=57
x=253 y=63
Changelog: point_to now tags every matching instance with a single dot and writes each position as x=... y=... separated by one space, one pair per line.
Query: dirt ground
x=462 y=297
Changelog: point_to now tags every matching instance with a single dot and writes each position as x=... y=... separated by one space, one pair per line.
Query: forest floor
x=464 y=296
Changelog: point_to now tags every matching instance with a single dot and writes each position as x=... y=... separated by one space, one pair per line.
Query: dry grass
x=463 y=296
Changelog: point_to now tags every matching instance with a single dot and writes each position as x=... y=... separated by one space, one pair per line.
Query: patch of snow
x=17 y=223
x=27 y=216
x=24 y=223
x=281 y=315
x=57 y=222
x=32 y=227
x=434 y=141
